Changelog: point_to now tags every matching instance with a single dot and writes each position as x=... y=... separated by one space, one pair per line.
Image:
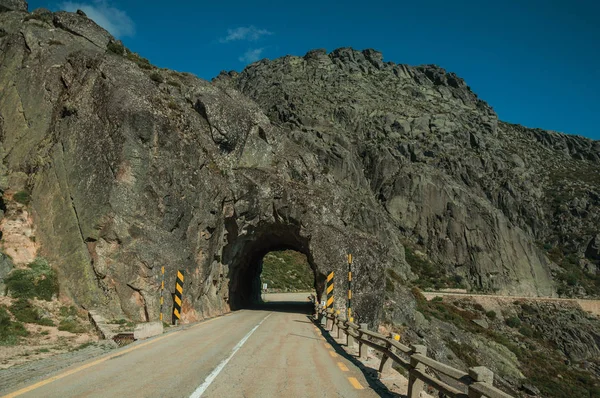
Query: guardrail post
x=339 y=329
x=385 y=364
x=334 y=324
x=483 y=375
x=415 y=385
x=363 y=349
x=349 y=339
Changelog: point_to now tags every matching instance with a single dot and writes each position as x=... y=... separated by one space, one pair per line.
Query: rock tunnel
x=244 y=253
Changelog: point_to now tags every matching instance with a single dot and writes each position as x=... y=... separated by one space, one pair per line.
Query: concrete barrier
x=148 y=329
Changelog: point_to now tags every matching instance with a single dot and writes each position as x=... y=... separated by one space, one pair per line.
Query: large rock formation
x=480 y=196
x=131 y=168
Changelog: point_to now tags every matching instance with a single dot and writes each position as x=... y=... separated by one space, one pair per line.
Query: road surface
x=266 y=352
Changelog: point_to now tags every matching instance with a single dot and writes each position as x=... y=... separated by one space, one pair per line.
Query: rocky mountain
x=129 y=168
x=482 y=199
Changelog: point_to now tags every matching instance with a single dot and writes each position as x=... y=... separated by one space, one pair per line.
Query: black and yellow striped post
x=329 y=294
x=178 y=297
x=162 y=289
x=329 y=302
x=349 y=306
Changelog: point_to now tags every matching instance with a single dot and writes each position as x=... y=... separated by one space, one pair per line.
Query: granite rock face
x=13 y=5
x=485 y=200
x=131 y=168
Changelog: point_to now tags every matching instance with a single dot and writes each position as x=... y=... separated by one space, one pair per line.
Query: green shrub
x=491 y=314
x=437 y=299
x=22 y=197
x=10 y=332
x=513 y=322
x=71 y=325
x=140 y=61
x=526 y=331
x=55 y=43
x=115 y=48
x=40 y=281
x=70 y=311
x=174 y=83
x=26 y=312
x=156 y=77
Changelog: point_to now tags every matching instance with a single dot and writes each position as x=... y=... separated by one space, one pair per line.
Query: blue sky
x=536 y=62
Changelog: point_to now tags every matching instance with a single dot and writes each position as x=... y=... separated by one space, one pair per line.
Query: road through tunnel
x=244 y=254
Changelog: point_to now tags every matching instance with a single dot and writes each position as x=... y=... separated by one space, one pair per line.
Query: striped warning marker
x=162 y=289
x=329 y=303
x=178 y=297
x=349 y=306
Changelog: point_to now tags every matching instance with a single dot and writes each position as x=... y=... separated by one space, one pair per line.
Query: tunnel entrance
x=273 y=243
x=286 y=271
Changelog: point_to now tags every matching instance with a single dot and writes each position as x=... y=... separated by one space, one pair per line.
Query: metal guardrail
x=476 y=383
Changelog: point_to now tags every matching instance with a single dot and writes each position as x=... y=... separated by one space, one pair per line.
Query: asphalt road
x=265 y=352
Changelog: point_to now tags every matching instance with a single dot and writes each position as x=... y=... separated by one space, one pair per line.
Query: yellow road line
x=333 y=354
x=325 y=344
x=355 y=383
x=342 y=367
x=94 y=363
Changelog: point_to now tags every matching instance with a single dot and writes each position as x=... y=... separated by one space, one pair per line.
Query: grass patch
x=82 y=346
x=140 y=61
x=70 y=311
x=461 y=318
x=287 y=270
x=71 y=325
x=39 y=280
x=115 y=48
x=22 y=197
x=26 y=312
x=10 y=332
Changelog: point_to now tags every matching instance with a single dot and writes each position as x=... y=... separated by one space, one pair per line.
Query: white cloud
x=116 y=21
x=250 y=33
x=252 y=55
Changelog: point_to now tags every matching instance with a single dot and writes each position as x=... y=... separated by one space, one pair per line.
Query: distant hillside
x=287 y=270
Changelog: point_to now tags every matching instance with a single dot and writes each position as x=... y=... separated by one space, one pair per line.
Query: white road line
x=211 y=377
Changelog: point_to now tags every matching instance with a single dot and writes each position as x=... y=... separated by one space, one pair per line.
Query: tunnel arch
x=244 y=252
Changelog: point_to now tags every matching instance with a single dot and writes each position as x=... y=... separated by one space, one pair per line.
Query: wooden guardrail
x=476 y=383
